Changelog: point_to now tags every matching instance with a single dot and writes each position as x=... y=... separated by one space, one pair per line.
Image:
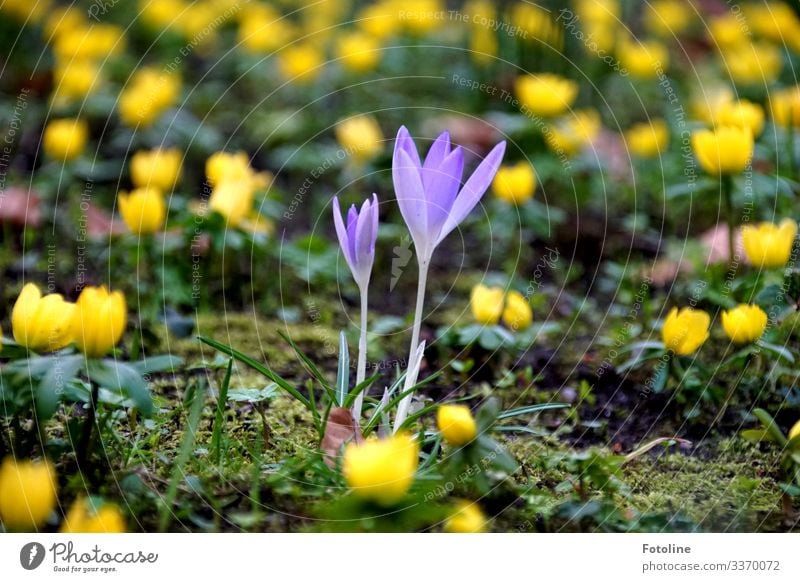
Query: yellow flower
x=143 y=210
x=358 y=52
x=487 y=304
x=668 y=17
x=456 y=423
x=571 y=134
x=768 y=245
x=300 y=63
x=744 y=324
x=158 y=168
x=795 y=430
x=360 y=137
x=95 y=42
x=27 y=493
x=643 y=59
x=742 y=113
x=685 y=331
x=598 y=11
x=42 y=324
x=262 y=29
x=63 y=19
x=379 y=19
x=84 y=516
x=99 y=321
x=647 y=140
x=546 y=94
x=233 y=199
x=784 y=106
x=421 y=16
x=483 y=45
x=774 y=20
x=517 y=314
x=149 y=93
x=753 y=63
x=65 y=139
x=515 y=184
x=161 y=15
x=225 y=166
x=466 y=518
x=381 y=470
x=536 y=24
x=724 y=150
x=705 y=104
x=75 y=79
x=727 y=31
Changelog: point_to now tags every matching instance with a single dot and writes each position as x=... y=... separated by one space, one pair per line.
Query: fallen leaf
x=20 y=207
x=339 y=430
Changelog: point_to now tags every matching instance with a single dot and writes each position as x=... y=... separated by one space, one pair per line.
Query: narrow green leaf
x=343 y=371
x=222 y=399
x=769 y=424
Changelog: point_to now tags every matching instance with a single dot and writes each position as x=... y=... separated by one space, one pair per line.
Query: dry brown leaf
x=340 y=430
x=20 y=207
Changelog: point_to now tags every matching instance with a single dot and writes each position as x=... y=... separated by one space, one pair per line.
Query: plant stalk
x=727 y=193
x=88 y=426
x=361 y=369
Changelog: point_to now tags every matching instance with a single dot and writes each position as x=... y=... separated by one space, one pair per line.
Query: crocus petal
x=364 y=257
x=341 y=233
x=473 y=190
x=352 y=224
x=441 y=188
x=410 y=197
x=406 y=143
x=373 y=235
x=438 y=152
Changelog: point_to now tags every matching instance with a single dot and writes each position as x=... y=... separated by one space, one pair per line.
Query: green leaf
x=216 y=435
x=531 y=409
x=487 y=415
x=343 y=371
x=779 y=351
x=756 y=435
x=769 y=424
x=162 y=363
x=253 y=395
x=53 y=384
x=122 y=378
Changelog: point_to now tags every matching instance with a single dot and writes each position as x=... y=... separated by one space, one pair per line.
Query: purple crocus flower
x=431 y=197
x=357 y=238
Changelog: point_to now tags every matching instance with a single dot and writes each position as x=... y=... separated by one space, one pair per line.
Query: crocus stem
x=727 y=193
x=361 y=370
x=402 y=409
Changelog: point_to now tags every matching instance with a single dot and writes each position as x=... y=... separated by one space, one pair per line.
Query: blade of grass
x=219 y=419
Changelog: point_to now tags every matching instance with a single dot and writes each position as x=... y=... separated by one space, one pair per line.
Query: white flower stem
x=361 y=369
x=405 y=403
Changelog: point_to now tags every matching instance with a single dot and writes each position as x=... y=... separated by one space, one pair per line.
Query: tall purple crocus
x=433 y=203
x=357 y=240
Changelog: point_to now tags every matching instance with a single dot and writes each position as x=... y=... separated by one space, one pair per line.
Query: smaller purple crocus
x=357 y=238
x=430 y=195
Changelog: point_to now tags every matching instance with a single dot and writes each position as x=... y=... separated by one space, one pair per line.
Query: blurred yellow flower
x=157 y=168
x=93 y=42
x=744 y=114
x=147 y=95
x=42 y=324
x=535 y=24
x=795 y=430
x=358 y=52
x=360 y=137
x=571 y=134
x=776 y=21
x=643 y=59
x=784 y=106
x=161 y=15
x=300 y=63
x=685 y=330
x=467 y=517
x=724 y=150
x=379 y=19
x=546 y=94
x=744 y=323
x=84 y=516
x=486 y=304
x=517 y=314
x=65 y=139
x=647 y=139
x=63 y=19
x=768 y=245
x=233 y=199
x=381 y=470
x=100 y=320
x=75 y=79
x=262 y=29
x=143 y=210
x=516 y=183
x=728 y=31
x=668 y=18
x=707 y=102
x=228 y=167
x=27 y=493
x=754 y=63
x=598 y=11
x=456 y=423
x=421 y=16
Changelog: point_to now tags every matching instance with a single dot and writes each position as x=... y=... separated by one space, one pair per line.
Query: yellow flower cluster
x=148 y=93
x=685 y=330
x=382 y=470
x=235 y=185
x=490 y=304
x=153 y=172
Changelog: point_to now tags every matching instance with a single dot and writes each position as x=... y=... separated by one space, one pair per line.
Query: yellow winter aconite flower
x=421 y=16
x=724 y=150
x=225 y=166
x=643 y=59
x=143 y=210
x=744 y=324
x=27 y=493
x=467 y=517
x=63 y=19
x=96 y=42
x=99 y=321
x=668 y=17
x=546 y=94
x=598 y=11
x=147 y=95
x=65 y=139
x=517 y=314
x=262 y=29
x=795 y=430
x=75 y=79
x=647 y=139
x=358 y=52
x=379 y=19
x=158 y=168
x=85 y=516
x=706 y=103
x=300 y=63
x=161 y=14
x=753 y=63
x=456 y=423
x=42 y=324
x=742 y=113
x=728 y=31
x=784 y=106
x=233 y=199
x=381 y=470
x=360 y=136
x=774 y=20
x=685 y=330
x=486 y=304
x=768 y=245
x=536 y=24
x=571 y=134
x=515 y=184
